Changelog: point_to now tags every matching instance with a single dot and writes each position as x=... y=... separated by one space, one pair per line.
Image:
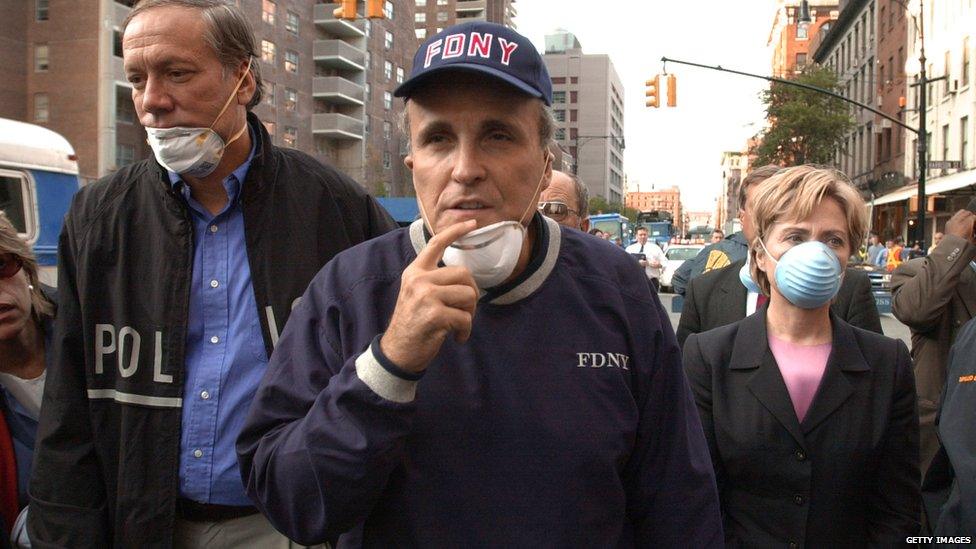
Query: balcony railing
x=339 y=55
x=336 y=89
x=324 y=19
x=337 y=126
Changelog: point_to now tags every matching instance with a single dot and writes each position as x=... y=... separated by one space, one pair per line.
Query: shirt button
x=214 y=283
x=198 y=453
x=204 y=395
x=213 y=228
x=798 y=499
x=800 y=455
x=214 y=339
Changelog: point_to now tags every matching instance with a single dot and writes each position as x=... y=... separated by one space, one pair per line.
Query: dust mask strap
x=228 y=102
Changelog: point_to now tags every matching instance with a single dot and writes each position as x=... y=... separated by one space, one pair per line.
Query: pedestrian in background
x=874 y=249
x=26 y=314
x=731 y=249
x=936 y=240
x=717 y=236
x=566 y=201
x=811 y=422
x=935 y=296
x=649 y=256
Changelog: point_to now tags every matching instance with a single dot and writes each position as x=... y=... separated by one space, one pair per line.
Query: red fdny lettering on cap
x=479 y=44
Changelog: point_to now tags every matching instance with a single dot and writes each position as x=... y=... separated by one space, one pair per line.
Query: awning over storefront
x=939 y=185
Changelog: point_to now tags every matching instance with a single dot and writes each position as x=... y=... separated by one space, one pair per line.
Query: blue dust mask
x=745 y=277
x=808 y=275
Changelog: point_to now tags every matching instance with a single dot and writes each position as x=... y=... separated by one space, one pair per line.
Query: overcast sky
x=716 y=111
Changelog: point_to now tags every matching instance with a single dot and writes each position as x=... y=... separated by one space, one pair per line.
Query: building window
x=366 y=124
x=125 y=111
x=399 y=73
x=965 y=62
x=387 y=100
x=441 y=2
x=117 y=43
x=40 y=10
x=269 y=94
x=442 y=17
x=291 y=22
x=387 y=161
x=291 y=99
x=268 y=52
x=801 y=32
x=559 y=115
x=420 y=17
x=367 y=27
x=124 y=155
x=268 y=11
x=572 y=115
x=388 y=40
x=367 y=61
x=290 y=137
x=558 y=97
x=964 y=142
x=41 y=112
x=13 y=187
x=572 y=96
x=948 y=70
x=945 y=143
x=270 y=126
x=291 y=61
x=40 y=58
x=388 y=10
x=387 y=130
x=801 y=60
x=421 y=3
x=368 y=89
x=421 y=34
x=388 y=70
x=560 y=134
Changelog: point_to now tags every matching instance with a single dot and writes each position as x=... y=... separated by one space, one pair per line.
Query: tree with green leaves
x=805 y=126
x=599 y=205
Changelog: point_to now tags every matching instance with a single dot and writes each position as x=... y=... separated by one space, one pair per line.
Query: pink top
x=802 y=368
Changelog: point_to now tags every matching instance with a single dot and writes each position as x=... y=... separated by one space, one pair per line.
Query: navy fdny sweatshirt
x=565 y=420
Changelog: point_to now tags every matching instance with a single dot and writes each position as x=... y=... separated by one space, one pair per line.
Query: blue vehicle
x=38 y=177
x=660 y=227
x=403 y=209
x=614 y=224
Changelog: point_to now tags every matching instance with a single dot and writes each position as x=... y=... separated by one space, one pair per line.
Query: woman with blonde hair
x=811 y=422
x=25 y=330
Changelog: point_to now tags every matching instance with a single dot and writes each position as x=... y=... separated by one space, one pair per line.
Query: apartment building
x=588 y=107
x=432 y=16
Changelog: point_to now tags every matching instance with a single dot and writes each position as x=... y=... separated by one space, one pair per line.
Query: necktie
x=642 y=249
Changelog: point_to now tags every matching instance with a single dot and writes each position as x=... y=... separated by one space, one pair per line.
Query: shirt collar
x=232 y=183
x=545 y=252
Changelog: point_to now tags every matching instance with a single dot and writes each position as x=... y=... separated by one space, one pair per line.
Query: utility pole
x=923 y=135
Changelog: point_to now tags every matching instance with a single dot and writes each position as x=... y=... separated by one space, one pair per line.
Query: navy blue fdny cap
x=488 y=48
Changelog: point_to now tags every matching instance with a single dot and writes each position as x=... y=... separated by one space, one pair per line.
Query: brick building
x=325 y=95
x=668 y=200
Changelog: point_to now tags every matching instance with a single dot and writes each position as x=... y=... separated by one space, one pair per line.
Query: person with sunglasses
x=566 y=201
x=26 y=312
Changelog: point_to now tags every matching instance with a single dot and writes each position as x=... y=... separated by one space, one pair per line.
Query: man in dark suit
x=717 y=298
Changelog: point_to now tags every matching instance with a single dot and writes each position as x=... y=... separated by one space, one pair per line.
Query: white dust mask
x=194 y=152
x=492 y=251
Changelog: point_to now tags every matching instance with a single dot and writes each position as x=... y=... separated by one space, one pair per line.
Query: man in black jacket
x=177 y=275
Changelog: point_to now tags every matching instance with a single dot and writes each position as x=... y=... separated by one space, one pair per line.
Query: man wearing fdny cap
x=483 y=377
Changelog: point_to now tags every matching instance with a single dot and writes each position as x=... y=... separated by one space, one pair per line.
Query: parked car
x=674 y=256
x=880 y=283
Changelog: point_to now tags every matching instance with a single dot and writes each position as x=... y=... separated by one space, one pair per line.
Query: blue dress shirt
x=225 y=354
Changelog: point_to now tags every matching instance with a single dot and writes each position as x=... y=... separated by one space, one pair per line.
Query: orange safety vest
x=894 y=258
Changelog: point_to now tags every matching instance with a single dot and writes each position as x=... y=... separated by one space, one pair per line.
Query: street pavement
x=890 y=324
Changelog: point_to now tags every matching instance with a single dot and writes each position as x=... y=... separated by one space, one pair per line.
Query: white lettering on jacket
x=602 y=360
x=109 y=340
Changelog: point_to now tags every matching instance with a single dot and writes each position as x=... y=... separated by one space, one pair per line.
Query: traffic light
x=653 y=91
x=374 y=9
x=346 y=10
x=672 y=92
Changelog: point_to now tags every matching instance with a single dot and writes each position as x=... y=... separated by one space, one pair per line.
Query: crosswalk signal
x=374 y=9
x=653 y=92
x=346 y=10
x=672 y=92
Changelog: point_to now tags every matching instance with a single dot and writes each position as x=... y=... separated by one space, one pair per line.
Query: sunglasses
x=10 y=265
x=556 y=210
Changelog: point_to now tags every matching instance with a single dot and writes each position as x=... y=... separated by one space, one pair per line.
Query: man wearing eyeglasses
x=566 y=201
